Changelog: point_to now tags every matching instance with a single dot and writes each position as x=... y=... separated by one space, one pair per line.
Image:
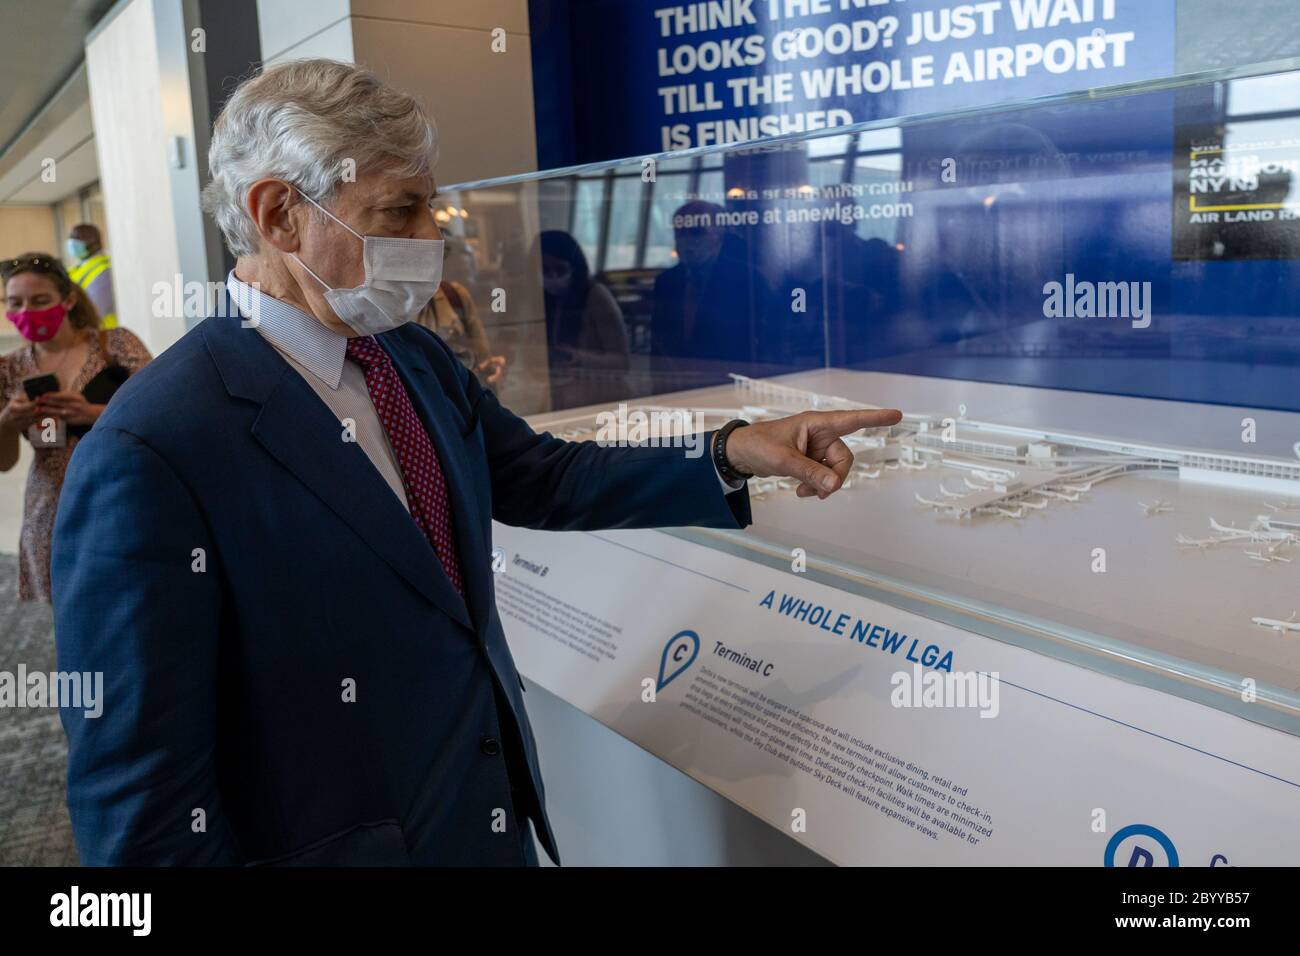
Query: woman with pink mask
x=53 y=389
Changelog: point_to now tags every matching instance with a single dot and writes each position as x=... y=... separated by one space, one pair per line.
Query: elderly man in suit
x=275 y=544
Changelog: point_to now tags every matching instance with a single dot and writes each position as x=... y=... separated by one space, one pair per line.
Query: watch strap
x=729 y=473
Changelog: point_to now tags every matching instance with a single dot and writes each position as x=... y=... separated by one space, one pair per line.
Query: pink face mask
x=39 y=325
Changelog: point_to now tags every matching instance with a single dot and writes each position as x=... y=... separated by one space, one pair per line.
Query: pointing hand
x=808 y=446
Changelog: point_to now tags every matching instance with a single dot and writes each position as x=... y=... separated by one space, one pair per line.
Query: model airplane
x=1008 y=513
x=1260 y=532
x=1273 y=552
x=1232 y=532
x=1061 y=495
x=1290 y=624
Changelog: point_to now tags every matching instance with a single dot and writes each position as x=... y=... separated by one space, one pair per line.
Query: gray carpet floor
x=34 y=826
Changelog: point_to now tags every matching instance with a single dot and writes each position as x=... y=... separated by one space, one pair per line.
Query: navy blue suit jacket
x=230 y=564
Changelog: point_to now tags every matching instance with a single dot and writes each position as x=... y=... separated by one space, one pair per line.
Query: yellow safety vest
x=86 y=272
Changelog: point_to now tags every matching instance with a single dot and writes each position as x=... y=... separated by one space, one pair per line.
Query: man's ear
x=270 y=203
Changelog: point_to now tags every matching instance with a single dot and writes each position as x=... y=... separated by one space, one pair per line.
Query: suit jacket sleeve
x=540 y=481
x=130 y=602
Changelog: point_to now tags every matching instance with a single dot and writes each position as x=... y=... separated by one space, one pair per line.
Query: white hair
x=309 y=123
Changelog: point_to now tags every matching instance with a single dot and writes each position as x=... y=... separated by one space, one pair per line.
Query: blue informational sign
x=656 y=75
x=973 y=247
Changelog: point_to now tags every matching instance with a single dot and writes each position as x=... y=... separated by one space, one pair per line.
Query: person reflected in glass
x=586 y=336
x=703 y=306
x=460 y=264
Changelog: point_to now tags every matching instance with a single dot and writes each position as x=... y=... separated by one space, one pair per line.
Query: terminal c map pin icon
x=679 y=654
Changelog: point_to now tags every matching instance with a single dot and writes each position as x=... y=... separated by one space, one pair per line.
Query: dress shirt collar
x=294 y=332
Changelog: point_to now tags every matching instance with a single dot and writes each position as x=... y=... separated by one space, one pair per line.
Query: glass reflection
x=924 y=248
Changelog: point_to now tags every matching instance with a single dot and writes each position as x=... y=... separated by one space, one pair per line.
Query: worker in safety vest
x=91 y=270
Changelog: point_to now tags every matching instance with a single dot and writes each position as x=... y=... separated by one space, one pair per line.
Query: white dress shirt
x=319 y=355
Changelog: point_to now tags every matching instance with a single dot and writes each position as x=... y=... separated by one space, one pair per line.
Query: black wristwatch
x=729 y=473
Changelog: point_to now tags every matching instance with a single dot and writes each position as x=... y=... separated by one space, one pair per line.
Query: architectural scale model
x=990 y=469
x=979 y=470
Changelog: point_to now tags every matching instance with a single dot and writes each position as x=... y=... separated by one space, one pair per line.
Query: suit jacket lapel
x=442 y=422
x=300 y=432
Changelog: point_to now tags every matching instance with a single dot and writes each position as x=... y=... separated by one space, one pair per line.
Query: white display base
x=1072 y=762
x=613 y=804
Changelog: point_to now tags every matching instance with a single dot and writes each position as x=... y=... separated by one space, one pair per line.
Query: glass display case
x=1087 y=307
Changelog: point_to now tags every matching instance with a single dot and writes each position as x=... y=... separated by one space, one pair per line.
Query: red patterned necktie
x=426 y=488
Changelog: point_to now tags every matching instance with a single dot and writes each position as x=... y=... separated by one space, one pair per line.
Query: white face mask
x=402 y=275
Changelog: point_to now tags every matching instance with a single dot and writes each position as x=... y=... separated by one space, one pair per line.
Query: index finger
x=849 y=421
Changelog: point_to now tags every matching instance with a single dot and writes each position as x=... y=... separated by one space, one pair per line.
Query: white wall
x=27 y=229
x=125 y=96
x=441 y=52
x=293 y=29
x=142 y=106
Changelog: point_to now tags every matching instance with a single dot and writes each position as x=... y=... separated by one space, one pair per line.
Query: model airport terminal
x=991 y=471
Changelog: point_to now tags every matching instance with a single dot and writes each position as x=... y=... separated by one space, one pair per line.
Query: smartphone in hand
x=38 y=385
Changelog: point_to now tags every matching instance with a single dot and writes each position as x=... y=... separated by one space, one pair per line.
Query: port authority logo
x=1233 y=195
x=1140 y=845
x=679 y=654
